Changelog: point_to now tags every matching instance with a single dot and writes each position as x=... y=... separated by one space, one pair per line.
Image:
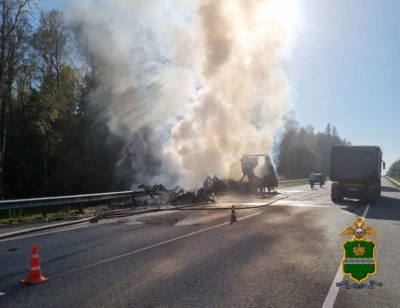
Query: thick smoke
x=190 y=85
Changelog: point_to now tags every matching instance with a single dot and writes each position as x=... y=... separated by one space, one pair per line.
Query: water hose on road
x=189 y=208
x=236 y=208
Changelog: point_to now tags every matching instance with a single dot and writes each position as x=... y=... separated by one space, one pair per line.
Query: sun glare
x=285 y=12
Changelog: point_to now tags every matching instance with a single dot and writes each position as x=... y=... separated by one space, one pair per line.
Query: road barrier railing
x=101 y=198
x=394 y=181
x=290 y=183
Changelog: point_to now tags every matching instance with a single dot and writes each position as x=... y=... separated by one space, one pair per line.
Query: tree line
x=52 y=141
x=394 y=170
x=303 y=150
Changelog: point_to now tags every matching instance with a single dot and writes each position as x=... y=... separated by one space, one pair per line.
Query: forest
x=53 y=141
x=303 y=150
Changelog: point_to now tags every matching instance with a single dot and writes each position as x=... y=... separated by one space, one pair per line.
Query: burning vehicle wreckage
x=259 y=178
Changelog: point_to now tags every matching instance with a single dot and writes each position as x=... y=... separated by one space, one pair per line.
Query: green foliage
x=56 y=144
x=394 y=170
x=52 y=213
x=302 y=150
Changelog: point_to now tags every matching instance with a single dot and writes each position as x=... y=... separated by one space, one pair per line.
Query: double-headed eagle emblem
x=359 y=262
x=359 y=229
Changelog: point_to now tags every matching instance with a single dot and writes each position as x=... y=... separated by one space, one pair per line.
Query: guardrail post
x=81 y=211
x=44 y=212
x=134 y=201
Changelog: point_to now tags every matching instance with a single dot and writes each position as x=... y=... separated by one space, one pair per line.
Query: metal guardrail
x=95 y=198
x=292 y=183
x=71 y=200
x=395 y=182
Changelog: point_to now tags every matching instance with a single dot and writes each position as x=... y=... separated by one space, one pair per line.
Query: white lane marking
x=298 y=205
x=309 y=197
x=334 y=290
x=1 y=293
x=43 y=233
x=152 y=246
x=291 y=191
x=252 y=203
x=248 y=216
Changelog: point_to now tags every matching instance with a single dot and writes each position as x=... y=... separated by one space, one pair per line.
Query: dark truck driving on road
x=356 y=173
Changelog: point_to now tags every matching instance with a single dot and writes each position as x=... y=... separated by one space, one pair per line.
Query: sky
x=344 y=68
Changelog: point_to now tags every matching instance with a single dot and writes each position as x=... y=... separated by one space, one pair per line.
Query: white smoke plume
x=190 y=85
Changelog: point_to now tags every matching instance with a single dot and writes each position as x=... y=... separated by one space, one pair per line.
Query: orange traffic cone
x=233 y=215
x=35 y=274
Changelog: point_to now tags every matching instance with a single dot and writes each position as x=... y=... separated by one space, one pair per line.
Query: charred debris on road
x=259 y=178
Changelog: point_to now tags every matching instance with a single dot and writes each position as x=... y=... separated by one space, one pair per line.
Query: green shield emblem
x=359 y=259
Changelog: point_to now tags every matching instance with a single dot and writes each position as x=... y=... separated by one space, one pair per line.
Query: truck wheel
x=337 y=199
x=373 y=201
x=373 y=197
x=364 y=200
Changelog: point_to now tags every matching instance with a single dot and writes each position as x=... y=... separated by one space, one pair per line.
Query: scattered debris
x=258 y=169
x=95 y=218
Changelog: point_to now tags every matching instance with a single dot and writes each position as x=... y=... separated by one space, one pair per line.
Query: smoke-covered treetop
x=189 y=86
x=303 y=150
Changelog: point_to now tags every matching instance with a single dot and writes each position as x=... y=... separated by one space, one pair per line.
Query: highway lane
x=283 y=255
x=385 y=218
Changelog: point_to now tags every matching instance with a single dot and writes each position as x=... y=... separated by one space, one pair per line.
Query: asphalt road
x=283 y=255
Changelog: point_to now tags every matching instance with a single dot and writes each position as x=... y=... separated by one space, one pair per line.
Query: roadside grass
x=48 y=214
